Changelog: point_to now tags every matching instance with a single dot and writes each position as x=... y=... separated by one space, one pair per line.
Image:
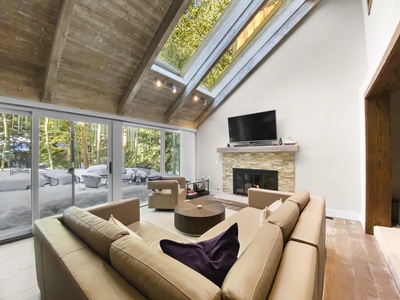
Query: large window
x=50 y=161
x=74 y=163
x=141 y=156
x=172 y=153
x=15 y=174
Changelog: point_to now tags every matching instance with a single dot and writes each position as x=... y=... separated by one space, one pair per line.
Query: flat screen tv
x=257 y=128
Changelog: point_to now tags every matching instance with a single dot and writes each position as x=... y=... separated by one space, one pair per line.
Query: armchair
x=167 y=192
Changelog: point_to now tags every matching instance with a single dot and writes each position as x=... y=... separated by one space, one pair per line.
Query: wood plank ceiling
x=99 y=56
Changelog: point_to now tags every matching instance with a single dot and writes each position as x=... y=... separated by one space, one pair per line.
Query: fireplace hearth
x=243 y=179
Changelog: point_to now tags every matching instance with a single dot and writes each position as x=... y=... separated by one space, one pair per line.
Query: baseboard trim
x=343 y=214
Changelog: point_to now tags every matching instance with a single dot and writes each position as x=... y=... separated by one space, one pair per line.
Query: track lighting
x=160 y=83
x=204 y=101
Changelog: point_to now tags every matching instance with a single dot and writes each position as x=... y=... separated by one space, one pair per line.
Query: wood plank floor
x=355 y=267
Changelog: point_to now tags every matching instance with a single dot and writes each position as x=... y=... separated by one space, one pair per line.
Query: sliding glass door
x=172 y=153
x=141 y=156
x=74 y=163
x=15 y=174
x=51 y=160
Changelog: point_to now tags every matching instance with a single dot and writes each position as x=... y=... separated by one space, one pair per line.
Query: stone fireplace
x=271 y=158
x=243 y=179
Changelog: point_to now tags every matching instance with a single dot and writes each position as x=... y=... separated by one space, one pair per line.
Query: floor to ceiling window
x=50 y=161
x=172 y=153
x=141 y=154
x=15 y=174
x=74 y=162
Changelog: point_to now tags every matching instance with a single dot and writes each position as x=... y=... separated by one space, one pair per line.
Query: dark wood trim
x=387 y=76
x=167 y=25
x=378 y=202
x=60 y=36
x=378 y=163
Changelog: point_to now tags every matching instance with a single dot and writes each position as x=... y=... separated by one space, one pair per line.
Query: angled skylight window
x=262 y=20
x=194 y=25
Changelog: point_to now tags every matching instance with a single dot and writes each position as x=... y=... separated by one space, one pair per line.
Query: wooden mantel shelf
x=277 y=148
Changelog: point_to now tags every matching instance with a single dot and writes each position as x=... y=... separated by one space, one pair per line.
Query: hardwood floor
x=355 y=267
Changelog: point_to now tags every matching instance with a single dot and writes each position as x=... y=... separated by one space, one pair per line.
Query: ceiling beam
x=261 y=48
x=57 y=47
x=225 y=32
x=171 y=18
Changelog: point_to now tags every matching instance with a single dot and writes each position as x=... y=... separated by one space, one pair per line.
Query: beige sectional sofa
x=80 y=256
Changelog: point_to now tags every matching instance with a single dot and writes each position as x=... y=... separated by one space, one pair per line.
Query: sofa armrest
x=164 y=185
x=260 y=198
x=126 y=211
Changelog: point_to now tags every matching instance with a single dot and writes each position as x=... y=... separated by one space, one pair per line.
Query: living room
x=316 y=81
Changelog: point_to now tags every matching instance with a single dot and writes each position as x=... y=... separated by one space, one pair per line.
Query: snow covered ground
x=15 y=205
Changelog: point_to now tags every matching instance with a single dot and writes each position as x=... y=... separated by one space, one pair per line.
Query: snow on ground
x=18 y=181
x=15 y=206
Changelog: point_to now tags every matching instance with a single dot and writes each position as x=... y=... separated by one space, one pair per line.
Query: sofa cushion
x=297 y=277
x=122 y=226
x=252 y=275
x=301 y=198
x=96 y=232
x=286 y=218
x=157 y=275
x=212 y=258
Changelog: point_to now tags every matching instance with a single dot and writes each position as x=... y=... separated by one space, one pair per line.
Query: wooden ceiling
x=99 y=56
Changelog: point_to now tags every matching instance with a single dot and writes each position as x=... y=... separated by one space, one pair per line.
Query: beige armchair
x=167 y=192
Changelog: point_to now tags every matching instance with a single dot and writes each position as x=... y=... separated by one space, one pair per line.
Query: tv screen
x=253 y=128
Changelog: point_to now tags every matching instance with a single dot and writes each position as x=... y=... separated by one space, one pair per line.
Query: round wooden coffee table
x=197 y=216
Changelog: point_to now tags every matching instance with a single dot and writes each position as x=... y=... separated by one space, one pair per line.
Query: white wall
x=313 y=82
x=379 y=27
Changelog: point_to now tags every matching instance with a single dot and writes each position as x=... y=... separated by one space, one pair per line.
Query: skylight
x=195 y=24
x=258 y=22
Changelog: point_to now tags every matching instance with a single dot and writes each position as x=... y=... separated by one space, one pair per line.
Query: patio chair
x=91 y=181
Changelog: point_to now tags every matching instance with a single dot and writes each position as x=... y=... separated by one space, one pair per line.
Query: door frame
x=386 y=79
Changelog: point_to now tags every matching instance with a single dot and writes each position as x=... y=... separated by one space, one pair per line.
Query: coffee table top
x=191 y=208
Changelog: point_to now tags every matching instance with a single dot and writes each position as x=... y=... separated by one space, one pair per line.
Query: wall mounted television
x=253 y=129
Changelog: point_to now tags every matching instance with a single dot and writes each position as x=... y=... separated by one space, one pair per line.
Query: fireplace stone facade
x=283 y=162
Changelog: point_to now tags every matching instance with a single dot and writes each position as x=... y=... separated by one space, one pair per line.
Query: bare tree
x=5 y=144
x=84 y=145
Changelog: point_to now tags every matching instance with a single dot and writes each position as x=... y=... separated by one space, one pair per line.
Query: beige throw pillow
x=268 y=210
x=122 y=226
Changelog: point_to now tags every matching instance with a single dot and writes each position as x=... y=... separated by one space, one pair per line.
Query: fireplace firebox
x=243 y=179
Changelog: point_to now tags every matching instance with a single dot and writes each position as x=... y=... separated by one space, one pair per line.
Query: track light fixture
x=160 y=83
x=197 y=98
